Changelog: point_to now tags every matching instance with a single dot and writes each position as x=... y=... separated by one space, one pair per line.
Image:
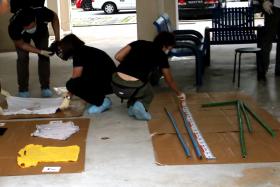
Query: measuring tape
x=200 y=140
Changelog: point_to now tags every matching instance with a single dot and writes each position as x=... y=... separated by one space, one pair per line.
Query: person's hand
x=267 y=6
x=182 y=99
x=65 y=103
x=45 y=53
x=5 y=93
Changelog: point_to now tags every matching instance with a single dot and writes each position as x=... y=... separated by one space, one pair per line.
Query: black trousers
x=43 y=64
x=91 y=91
x=271 y=30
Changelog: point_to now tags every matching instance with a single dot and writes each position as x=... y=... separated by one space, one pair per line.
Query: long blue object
x=184 y=145
x=189 y=130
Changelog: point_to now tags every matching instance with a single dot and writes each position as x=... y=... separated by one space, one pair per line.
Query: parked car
x=113 y=6
x=84 y=4
x=196 y=8
x=243 y=3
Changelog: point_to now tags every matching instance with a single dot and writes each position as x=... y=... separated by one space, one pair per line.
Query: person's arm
x=172 y=84
x=267 y=6
x=28 y=47
x=77 y=72
x=56 y=27
x=121 y=54
x=169 y=80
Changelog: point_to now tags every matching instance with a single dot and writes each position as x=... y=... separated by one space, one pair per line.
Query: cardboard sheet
x=218 y=126
x=18 y=136
x=76 y=109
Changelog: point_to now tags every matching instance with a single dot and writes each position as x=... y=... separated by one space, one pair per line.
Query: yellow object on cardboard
x=32 y=154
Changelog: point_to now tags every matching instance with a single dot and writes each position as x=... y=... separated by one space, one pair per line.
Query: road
x=82 y=18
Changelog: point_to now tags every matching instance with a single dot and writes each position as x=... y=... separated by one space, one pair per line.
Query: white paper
x=57 y=130
x=51 y=169
x=19 y=105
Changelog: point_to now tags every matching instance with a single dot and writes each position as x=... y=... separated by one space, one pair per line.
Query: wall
x=63 y=10
x=6 y=43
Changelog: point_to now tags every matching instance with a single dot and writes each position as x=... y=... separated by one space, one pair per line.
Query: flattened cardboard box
x=76 y=109
x=17 y=136
x=218 y=126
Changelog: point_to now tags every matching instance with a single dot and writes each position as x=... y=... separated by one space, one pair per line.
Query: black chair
x=180 y=34
x=188 y=43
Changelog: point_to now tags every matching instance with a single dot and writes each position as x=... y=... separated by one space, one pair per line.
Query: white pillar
x=65 y=14
x=63 y=11
x=149 y=10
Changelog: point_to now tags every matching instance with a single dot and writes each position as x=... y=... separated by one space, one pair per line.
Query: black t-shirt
x=143 y=58
x=43 y=17
x=98 y=66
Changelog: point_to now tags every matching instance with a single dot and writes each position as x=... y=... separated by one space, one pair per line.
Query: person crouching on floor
x=91 y=76
x=137 y=62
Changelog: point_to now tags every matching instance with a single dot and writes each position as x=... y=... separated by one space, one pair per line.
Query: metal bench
x=231 y=26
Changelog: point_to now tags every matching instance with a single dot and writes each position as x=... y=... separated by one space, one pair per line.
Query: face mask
x=31 y=31
x=166 y=52
x=60 y=54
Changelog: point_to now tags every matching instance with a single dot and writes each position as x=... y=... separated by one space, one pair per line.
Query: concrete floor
x=126 y=158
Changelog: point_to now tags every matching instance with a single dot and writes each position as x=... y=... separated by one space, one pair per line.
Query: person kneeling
x=138 y=60
x=91 y=75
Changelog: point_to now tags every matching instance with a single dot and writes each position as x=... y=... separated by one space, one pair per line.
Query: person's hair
x=69 y=44
x=27 y=16
x=164 y=39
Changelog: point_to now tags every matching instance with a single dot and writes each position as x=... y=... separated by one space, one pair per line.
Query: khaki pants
x=144 y=95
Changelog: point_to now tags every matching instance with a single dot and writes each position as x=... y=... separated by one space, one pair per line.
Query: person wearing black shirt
x=137 y=61
x=91 y=76
x=31 y=24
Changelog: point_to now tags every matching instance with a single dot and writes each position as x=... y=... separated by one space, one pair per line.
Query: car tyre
x=110 y=8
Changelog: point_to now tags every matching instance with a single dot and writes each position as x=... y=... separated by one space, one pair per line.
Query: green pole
x=246 y=116
x=241 y=133
x=261 y=122
x=225 y=103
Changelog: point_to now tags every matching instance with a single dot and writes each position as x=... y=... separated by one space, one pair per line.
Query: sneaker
x=93 y=109
x=140 y=112
x=46 y=93
x=24 y=94
x=130 y=111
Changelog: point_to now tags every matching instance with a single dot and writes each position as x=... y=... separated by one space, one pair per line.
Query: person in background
x=31 y=24
x=137 y=62
x=271 y=30
x=91 y=75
